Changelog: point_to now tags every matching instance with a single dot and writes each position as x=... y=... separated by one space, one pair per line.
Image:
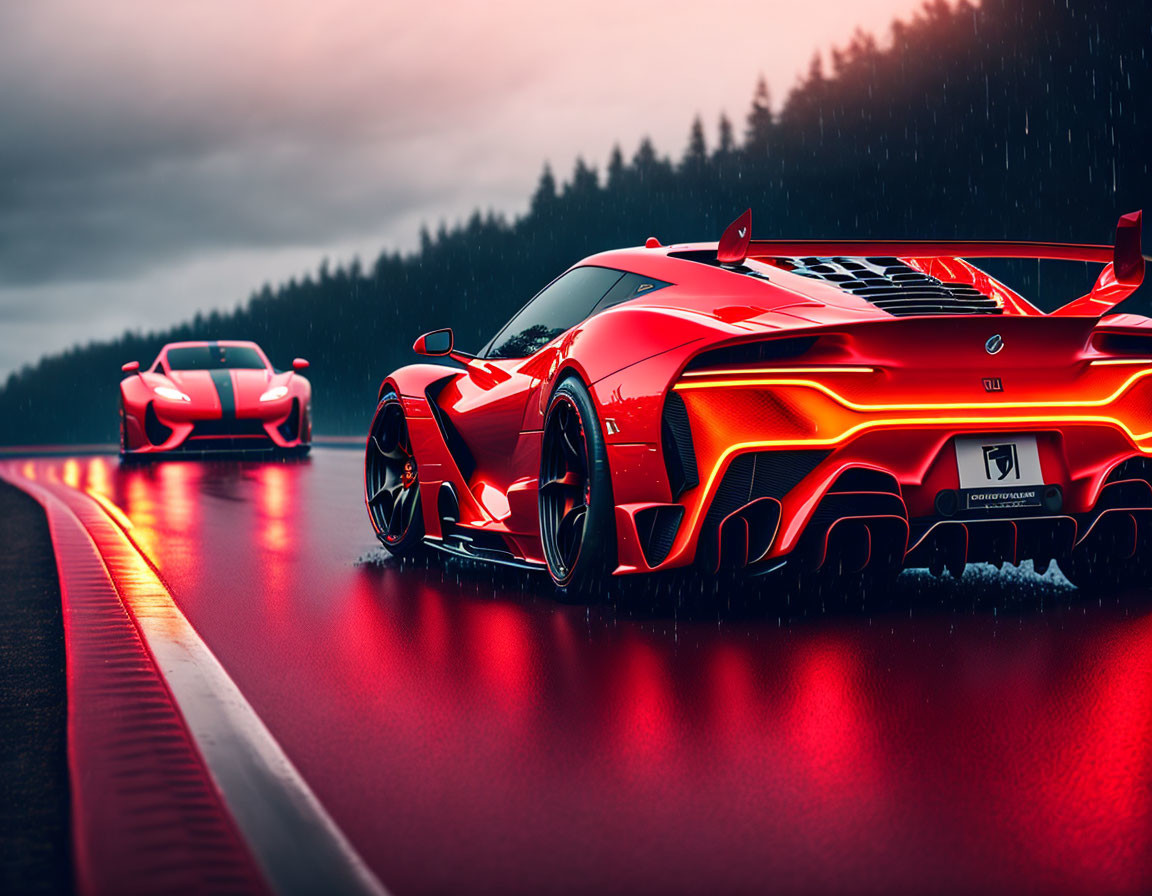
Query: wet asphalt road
x=468 y=732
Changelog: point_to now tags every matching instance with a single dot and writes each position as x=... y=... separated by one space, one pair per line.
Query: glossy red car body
x=201 y=397
x=801 y=400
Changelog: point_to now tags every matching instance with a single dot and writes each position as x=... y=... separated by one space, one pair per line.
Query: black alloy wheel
x=576 y=526
x=392 y=480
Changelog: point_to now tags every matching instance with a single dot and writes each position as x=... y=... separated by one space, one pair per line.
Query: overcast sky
x=157 y=158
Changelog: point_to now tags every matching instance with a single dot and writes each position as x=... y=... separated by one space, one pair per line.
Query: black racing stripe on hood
x=222 y=380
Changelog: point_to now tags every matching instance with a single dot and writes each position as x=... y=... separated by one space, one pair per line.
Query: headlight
x=171 y=394
x=274 y=393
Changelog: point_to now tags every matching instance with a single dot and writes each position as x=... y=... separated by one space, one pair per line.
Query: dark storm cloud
x=117 y=156
x=107 y=221
x=157 y=159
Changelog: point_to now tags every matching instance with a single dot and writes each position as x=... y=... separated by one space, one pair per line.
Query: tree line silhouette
x=1026 y=119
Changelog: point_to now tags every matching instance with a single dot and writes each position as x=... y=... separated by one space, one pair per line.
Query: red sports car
x=200 y=397
x=849 y=407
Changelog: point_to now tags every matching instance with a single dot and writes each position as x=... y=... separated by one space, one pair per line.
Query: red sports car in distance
x=201 y=397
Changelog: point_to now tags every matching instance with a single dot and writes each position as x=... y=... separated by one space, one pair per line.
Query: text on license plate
x=999 y=470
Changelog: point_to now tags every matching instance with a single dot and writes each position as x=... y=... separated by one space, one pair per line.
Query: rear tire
x=576 y=510
x=392 y=480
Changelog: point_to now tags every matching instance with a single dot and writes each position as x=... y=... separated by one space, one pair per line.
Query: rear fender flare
x=569 y=368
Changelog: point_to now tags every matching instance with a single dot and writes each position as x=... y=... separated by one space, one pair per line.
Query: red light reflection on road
x=500 y=649
x=642 y=709
x=274 y=497
x=274 y=535
x=96 y=474
x=1092 y=777
x=178 y=484
x=461 y=731
x=141 y=510
x=828 y=723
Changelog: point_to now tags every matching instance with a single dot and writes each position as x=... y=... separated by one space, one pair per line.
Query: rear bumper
x=855 y=513
x=791 y=468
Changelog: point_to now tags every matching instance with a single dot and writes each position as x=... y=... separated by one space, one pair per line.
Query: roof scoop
x=733 y=246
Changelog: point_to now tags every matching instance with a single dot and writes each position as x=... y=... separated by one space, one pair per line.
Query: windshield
x=211 y=357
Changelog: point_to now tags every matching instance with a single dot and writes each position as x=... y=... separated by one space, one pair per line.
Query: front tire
x=392 y=480
x=576 y=511
x=126 y=452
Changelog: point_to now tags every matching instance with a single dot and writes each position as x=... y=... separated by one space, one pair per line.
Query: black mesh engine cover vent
x=762 y=474
x=893 y=286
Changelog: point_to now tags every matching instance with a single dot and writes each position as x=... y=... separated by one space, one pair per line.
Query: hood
x=197 y=385
x=249 y=385
x=222 y=388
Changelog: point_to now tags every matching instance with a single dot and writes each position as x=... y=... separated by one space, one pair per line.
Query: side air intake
x=455 y=443
x=657 y=527
x=676 y=442
x=290 y=428
x=156 y=431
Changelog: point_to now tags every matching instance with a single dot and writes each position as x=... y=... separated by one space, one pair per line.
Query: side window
x=630 y=286
x=558 y=307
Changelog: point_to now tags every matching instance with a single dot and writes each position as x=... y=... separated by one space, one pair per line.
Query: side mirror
x=131 y=367
x=436 y=343
x=299 y=364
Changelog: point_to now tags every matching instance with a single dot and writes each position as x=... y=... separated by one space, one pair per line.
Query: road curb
x=176 y=782
x=146 y=817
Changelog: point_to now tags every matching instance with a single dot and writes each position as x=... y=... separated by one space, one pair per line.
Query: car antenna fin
x=1120 y=278
x=733 y=245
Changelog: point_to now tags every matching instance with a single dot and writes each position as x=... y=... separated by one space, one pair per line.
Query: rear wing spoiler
x=1123 y=262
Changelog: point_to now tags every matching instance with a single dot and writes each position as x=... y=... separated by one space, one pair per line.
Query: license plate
x=999 y=471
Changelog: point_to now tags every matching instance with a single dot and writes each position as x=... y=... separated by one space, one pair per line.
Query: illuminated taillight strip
x=1102 y=362
x=911 y=406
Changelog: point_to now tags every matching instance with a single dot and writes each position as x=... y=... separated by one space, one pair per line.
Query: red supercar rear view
x=205 y=397
x=846 y=407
